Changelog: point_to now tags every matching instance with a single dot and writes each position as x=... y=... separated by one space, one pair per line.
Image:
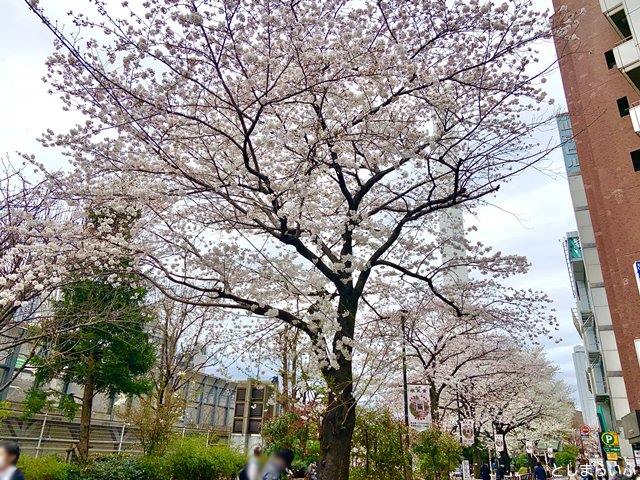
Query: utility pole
x=405 y=386
x=405 y=390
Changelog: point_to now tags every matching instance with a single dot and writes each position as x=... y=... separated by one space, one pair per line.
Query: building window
x=241 y=394
x=257 y=393
x=623 y=106
x=255 y=410
x=255 y=426
x=610 y=58
x=621 y=22
x=635 y=159
x=237 y=426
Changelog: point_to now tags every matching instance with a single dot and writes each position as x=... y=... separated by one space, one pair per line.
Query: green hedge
x=191 y=459
x=44 y=468
x=186 y=459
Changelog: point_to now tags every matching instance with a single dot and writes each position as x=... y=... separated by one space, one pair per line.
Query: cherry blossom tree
x=519 y=396
x=294 y=155
x=24 y=212
x=43 y=244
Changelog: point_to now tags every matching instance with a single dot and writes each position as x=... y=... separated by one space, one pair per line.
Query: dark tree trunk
x=339 y=421
x=336 y=433
x=85 y=419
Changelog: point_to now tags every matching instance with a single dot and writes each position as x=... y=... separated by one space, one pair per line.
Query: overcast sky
x=530 y=216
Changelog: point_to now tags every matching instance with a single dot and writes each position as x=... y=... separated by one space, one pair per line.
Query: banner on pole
x=466 y=432
x=419 y=406
x=466 y=470
x=499 y=441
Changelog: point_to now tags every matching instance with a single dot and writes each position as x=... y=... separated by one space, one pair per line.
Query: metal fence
x=55 y=434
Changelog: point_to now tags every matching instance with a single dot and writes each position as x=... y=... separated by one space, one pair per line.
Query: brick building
x=601 y=76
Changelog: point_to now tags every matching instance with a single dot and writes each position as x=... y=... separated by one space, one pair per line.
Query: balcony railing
x=609 y=6
x=627 y=55
x=634 y=113
x=597 y=382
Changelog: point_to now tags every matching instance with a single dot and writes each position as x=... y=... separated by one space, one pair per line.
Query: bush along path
x=185 y=459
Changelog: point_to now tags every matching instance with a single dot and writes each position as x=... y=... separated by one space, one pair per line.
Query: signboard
x=419 y=406
x=550 y=452
x=466 y=432
x=466 y=470
x=636 y=270
x=530 y=447
x=21 y=361
x=585 y=430
x=610 y=442
x=499 y=441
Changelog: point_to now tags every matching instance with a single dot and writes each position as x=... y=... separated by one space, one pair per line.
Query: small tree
x=155 y=419
x=185 y=343
x=438 y=454
x=295 y=432
x=567 y=455
x=112 y=354
x=378 y=446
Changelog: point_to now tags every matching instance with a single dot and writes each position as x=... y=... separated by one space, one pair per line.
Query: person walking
x=278 y=465
x=485 y=472
x=9 y=456
x=572 y=472
x=252 y=469
x=539 y=473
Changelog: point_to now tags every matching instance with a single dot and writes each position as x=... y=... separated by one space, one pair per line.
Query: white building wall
x=586 y=398
x=596 y=292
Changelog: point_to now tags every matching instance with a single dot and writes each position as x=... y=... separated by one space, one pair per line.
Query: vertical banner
x=636 y=270
x=467 y=434
x=466 y=470
x=499 y=441
x=419 y=406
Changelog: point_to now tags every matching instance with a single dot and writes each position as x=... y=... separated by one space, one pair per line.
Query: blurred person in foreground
x=278 y=465
x=9 y=456
x=252 y=469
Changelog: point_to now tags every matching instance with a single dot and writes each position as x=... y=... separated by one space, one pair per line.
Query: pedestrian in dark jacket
x=9 y=456
x=539 y=473
x=485 y=472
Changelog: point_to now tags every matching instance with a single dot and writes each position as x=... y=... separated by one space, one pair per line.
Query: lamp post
x=405 y=390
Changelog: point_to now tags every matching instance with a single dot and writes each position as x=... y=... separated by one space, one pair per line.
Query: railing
x=608 y=5
x=53 y=433
x=626 y=54
x=634 y=113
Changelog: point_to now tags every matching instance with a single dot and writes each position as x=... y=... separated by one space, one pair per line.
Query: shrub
x=567 y=455
x=115 y=467
x=438 y=453
x=155 y=468
x=379 y=447
x=293 y=432
x=186 y=459
x=155 y=419
x=520 y=461
x=191 y=459
x=44 y=468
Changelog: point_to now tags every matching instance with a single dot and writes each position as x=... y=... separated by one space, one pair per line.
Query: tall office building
x=585 y=396
x=601 y=75
x=591 y=315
